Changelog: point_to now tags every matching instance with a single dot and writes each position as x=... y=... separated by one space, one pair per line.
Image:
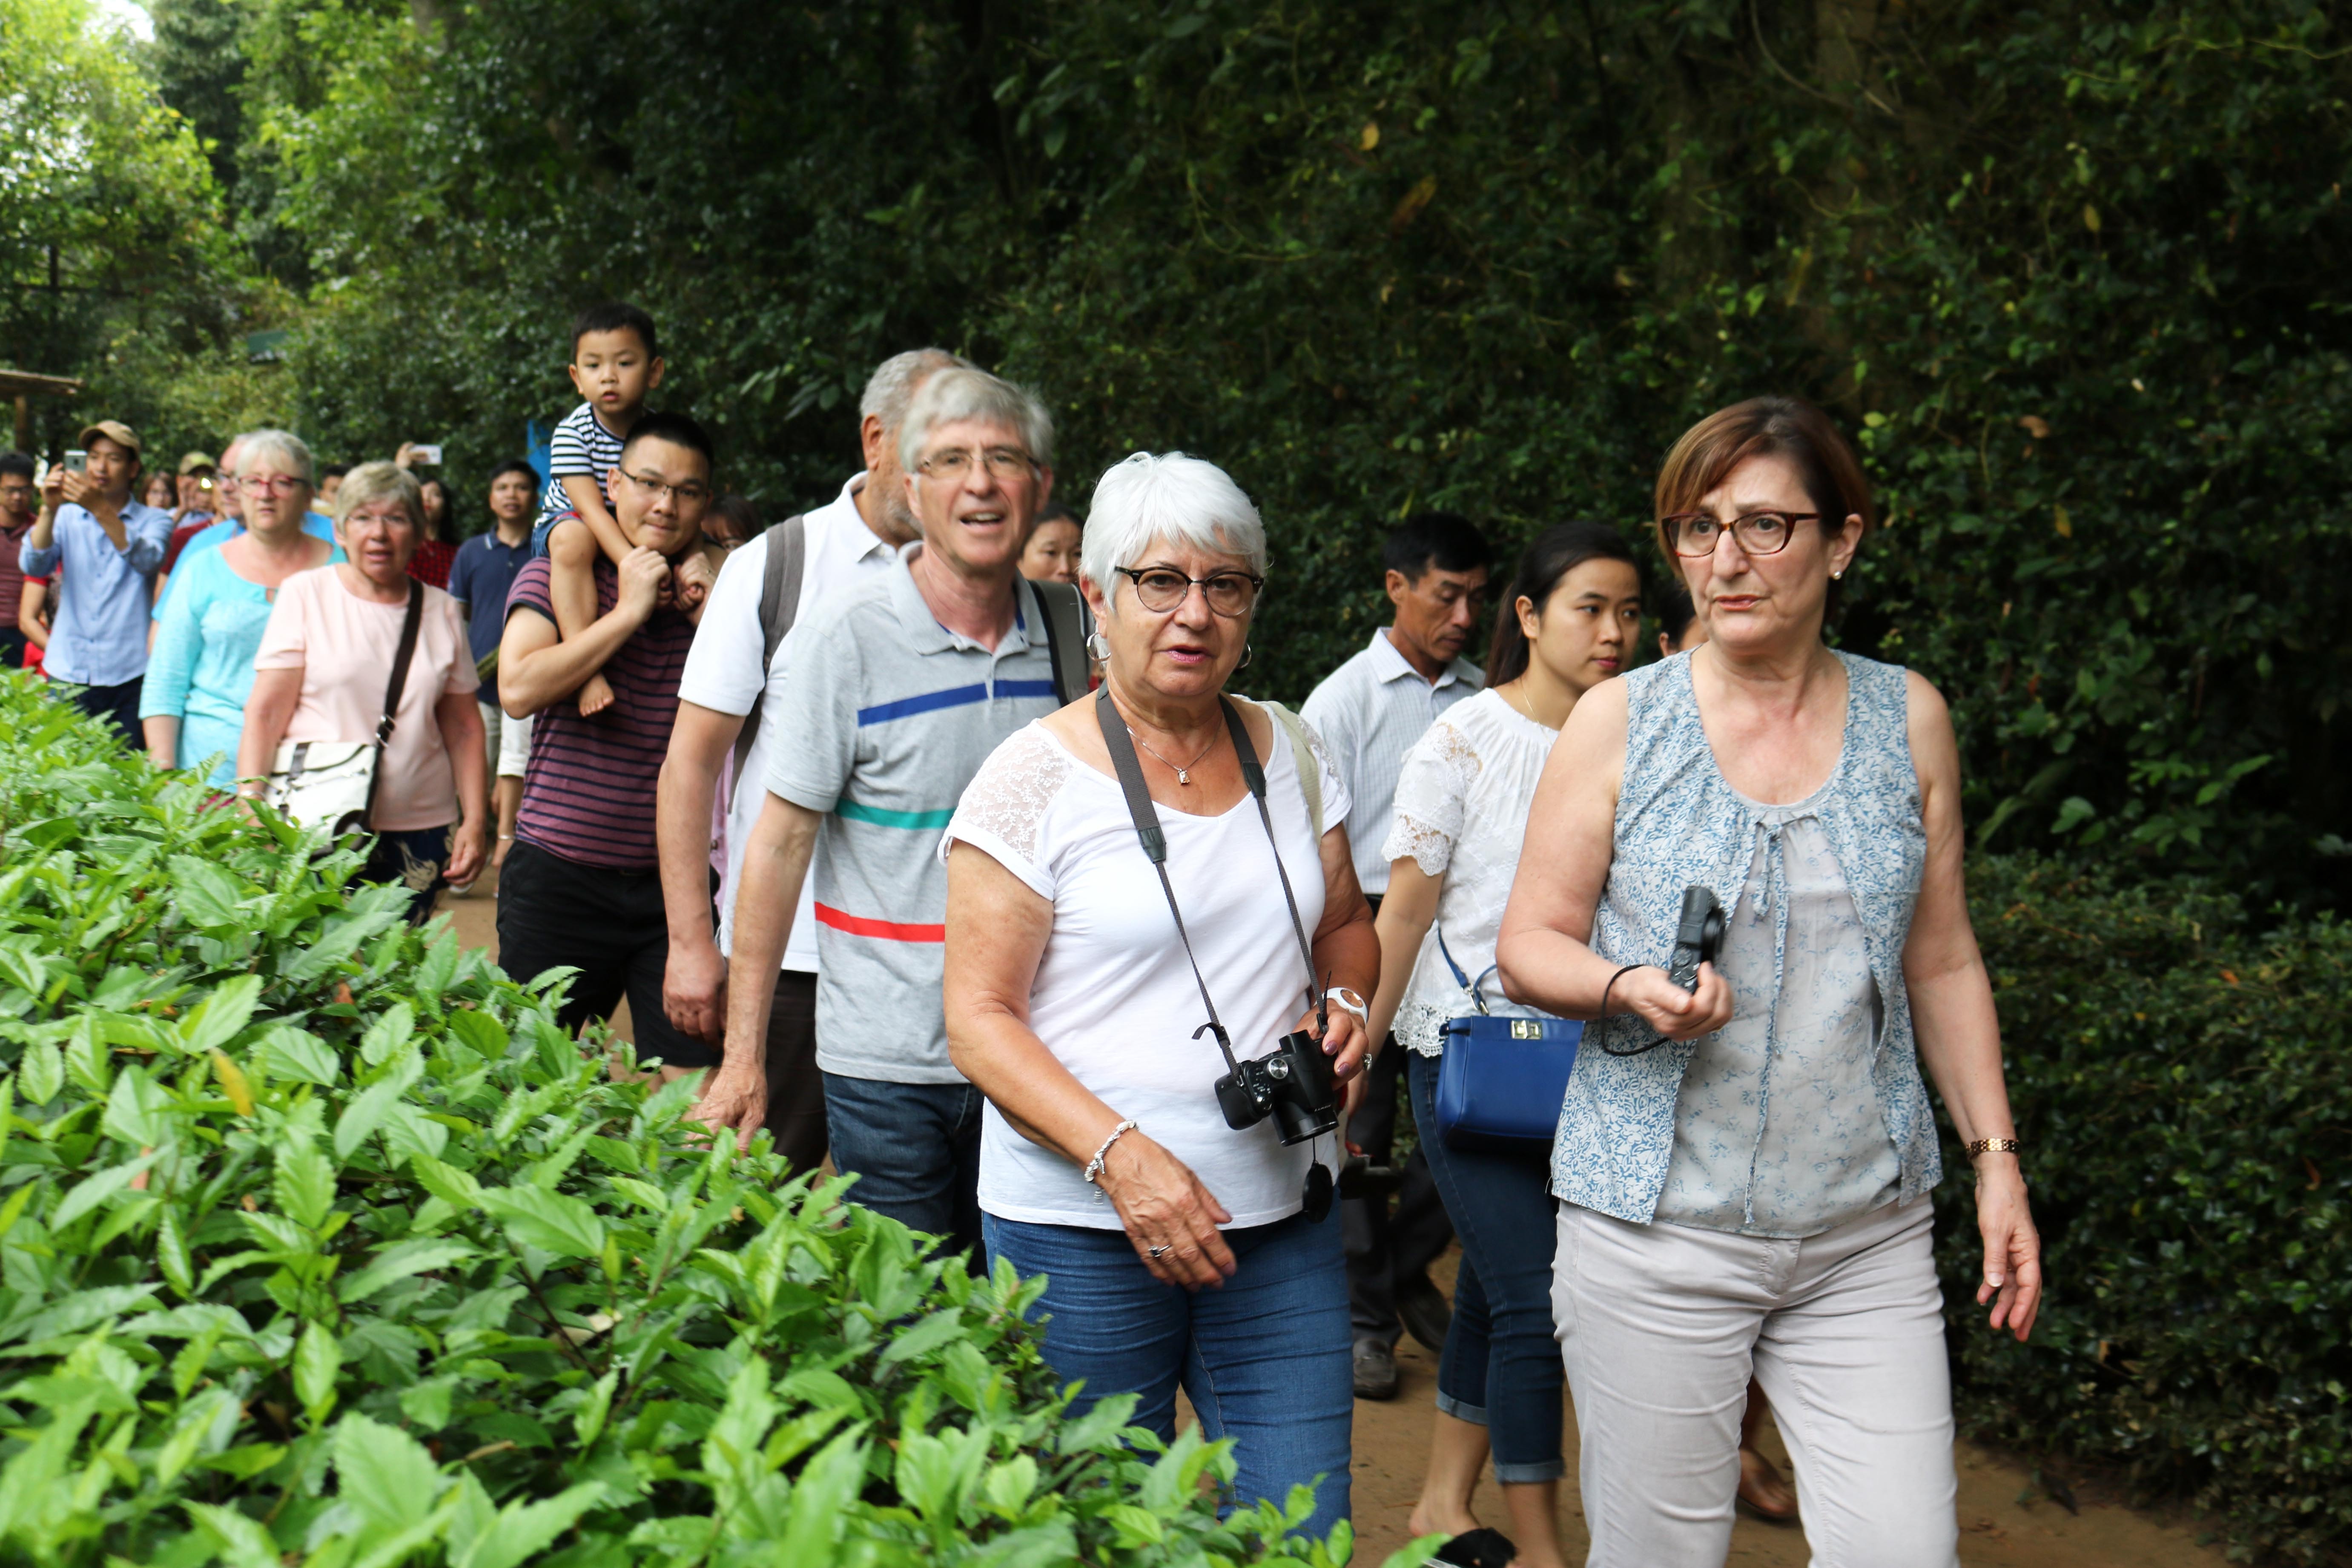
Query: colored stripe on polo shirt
x=953 y=696
x=882 y=816
x=888 y=930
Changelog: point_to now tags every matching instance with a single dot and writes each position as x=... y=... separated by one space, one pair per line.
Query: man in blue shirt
x=109 y=545
x=480 y=575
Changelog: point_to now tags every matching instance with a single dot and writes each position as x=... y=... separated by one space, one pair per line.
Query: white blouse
x=1462 y=803
x=1113 y=999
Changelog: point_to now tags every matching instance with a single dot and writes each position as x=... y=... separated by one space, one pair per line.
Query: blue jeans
x=1264 y=1358
x=915 y=1149
x=1501 y=1369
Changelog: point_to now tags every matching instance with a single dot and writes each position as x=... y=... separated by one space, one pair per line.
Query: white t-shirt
x=1113 y=999
x=723 y=674
x=1462 y=802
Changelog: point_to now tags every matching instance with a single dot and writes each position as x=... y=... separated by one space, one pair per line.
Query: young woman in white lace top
x=1571 y=620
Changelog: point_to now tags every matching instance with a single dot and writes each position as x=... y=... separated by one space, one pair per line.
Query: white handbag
x=331 y=784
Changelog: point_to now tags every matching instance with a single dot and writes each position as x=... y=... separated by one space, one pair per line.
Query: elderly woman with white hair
x=1160 y=1053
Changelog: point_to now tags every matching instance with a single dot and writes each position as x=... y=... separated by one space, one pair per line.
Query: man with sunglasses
x=895 y=694
x=581 y=884
x=1370 y=711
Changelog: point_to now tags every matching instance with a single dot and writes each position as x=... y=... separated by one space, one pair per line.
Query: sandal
x=1480 y=1548
x=1763 y=1491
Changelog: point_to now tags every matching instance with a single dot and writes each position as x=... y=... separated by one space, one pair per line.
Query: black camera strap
x=1146 y=817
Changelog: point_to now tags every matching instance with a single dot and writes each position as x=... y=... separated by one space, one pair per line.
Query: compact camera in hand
x=1698 y=936
x=1294 y=1083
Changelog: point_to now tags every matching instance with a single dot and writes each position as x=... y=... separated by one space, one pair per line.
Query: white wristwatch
x=1347 y=1001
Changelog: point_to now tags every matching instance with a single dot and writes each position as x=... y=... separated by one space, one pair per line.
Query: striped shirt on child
x=580 y=444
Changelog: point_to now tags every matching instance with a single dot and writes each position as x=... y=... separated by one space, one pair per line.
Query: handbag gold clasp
x=1526 y=1029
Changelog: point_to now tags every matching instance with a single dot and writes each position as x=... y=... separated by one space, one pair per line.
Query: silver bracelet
x=1094 y=1165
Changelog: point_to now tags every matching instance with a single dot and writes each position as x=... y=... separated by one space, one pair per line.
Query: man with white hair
x=894 y=693
x=721 y=709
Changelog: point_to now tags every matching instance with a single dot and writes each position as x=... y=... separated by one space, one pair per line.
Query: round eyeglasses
x=1162 y=589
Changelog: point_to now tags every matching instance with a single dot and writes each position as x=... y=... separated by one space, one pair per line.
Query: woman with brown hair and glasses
x=1743 y=1166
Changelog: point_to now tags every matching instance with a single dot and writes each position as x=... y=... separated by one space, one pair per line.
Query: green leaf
x=400 y=1261
x=43 y=1072
x=821 y=1498
x=92 y=1191
x=548 y=1221
x=171 y=1255
x=388 y=1034
x=306 y=1183
x=223 y=1014
x=289 y=1052
x=136 y=1108
x=937 y=1329
x=242 y=1541
x=590 y=1420
x=368 y=1110
x=206 y=895
x=523 y=1530
x=317 y=1360
x=383 y=1472
x=450 y=1185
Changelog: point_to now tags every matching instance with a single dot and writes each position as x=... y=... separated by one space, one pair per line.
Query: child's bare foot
x=595 y=696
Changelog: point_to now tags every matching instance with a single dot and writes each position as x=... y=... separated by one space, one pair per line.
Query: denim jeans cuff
x=1448 y=1405
x=1529 y=1475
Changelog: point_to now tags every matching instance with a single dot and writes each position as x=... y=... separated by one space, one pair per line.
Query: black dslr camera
x=1292 y=1082
x=1697 y=937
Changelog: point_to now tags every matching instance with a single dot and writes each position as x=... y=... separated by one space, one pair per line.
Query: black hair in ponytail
x=1554 y=553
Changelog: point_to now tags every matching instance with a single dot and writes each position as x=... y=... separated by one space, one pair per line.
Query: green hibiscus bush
x=2183 y=1081
x=321 y=1243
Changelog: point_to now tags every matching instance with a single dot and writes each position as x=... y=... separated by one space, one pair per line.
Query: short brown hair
x=1764 y=426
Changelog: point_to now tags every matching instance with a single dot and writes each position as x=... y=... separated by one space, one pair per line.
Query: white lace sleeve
x=1005 y=805
x=1337 y=802
x=1432 y=790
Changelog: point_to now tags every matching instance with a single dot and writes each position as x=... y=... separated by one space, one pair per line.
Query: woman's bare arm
x=1407 y=912
x=1955 y=1024
x=1543 y=950
x=997 y=927
x=267 y=713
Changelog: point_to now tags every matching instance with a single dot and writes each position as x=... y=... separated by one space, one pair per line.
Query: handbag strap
x=1145 y=814
x=1475 y=988
x=409 y=624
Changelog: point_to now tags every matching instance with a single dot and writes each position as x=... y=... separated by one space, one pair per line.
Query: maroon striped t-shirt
x=588 y=791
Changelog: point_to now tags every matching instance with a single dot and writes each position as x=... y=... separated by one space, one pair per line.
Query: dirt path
x=1392 y=1447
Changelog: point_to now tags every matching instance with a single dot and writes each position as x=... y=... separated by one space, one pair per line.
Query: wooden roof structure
x=23 y=386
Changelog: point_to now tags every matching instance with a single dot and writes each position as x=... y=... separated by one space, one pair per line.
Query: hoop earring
x=1098 y=647
x=1247 y=653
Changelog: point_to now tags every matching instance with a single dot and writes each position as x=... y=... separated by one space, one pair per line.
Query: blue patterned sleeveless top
x=1679 y=825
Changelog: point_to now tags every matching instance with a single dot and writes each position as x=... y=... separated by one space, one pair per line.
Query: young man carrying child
x=615 y=362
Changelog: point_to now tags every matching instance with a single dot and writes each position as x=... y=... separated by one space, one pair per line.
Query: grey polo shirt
x=883 y=716
x=1370 y=711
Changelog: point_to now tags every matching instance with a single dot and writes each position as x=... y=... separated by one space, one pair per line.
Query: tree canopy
x=2072 y=274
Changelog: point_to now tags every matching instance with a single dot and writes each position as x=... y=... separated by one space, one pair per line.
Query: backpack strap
x=779 y=606
x=1310 y=772
x=1065 y=638
x=410 y=621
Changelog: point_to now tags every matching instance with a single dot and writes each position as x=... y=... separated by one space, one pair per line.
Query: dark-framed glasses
x=1697 y=533
x=1161 y=589
x=1005 y=463
x=688 y=492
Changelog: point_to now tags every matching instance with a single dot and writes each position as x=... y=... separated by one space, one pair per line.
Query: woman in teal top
x=1742 y=1168
x=200 y=671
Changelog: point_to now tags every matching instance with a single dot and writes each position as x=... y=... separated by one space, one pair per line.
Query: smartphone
x=421 y=452
x=77 y=462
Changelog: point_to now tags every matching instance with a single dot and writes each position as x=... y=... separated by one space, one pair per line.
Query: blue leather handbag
x=1501 y=1080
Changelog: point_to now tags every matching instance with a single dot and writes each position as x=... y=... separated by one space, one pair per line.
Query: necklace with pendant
x=1183 y=771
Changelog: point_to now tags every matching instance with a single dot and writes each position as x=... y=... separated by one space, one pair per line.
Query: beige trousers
x=1660 y=1326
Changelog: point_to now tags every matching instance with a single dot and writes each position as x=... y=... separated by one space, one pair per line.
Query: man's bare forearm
x=775 y=863
x=698 y=744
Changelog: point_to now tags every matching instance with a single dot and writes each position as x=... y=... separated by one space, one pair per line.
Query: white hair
x=892 y=385
x=957 y=394
x=283 y=445
x=1168 y=499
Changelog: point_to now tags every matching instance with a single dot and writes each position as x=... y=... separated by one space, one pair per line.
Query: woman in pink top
x=323 y=665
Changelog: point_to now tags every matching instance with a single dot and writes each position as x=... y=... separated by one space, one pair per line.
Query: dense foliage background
x=2074 y=273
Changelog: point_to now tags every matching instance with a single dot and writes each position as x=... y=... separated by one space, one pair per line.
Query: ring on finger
x=1157 y=1253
